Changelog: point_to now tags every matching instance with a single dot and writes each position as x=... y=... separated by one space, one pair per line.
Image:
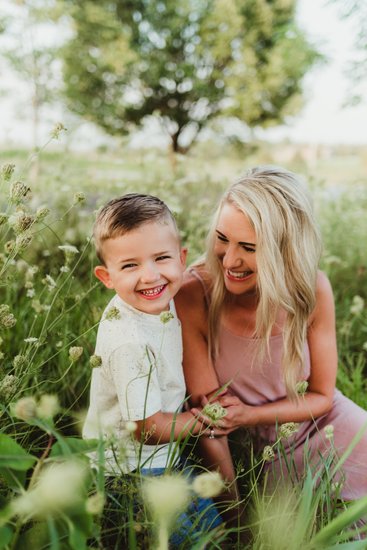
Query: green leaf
x=13 y=455
x=75 y=445
x=5 y=536
x=13 y=478
x=77 y=539
x=35 y=537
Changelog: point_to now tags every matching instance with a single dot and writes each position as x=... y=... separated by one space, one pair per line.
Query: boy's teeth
x=239 y=275
x=152 y=291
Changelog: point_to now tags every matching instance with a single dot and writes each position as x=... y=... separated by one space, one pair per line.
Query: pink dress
x=259 y=384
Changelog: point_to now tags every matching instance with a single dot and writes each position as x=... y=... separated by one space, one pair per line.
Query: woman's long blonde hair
x=288 y=250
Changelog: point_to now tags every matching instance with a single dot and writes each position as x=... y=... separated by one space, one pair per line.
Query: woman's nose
x=231 y=258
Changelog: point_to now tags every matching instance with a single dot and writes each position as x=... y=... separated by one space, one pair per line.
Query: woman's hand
x=235 y=417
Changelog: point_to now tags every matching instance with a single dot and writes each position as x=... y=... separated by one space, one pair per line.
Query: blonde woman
x=258 y=316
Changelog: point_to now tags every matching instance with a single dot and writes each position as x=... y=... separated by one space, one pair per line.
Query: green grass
x=62 y=307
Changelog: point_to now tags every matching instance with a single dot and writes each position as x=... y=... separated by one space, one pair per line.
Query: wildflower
x=23 y=241
x=42 y=213
x=329 y=431
x=364 y=346
x=19 y=362
x=8 y=386
x=113 y=313
x=7 y=319
x=69 y=251
x=131 y=426
x=9 y=247
x=95 y=504
x=7 y=171
x=336 y=486
x=3 y=218
x=79 y=198
x=1 y=355
x=288 y=429
x=25 y=408
x=165 y=317
x=208 y=485
x=57 y=129
x=37 y=306
x=60 y=486
x=31 y=271
x=301 y=387
x=31 y=340
x=268 y=453
x=30 y=293
x=21 y=221
x=50 y=282
x=357 y=305
x=165 y=496
x=48 y=406
x=75 y=352
x=214 y=411
x=64 y=269
x=95 y=361
x=18 y=191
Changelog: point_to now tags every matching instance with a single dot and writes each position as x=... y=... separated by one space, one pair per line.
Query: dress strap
x=197 y=276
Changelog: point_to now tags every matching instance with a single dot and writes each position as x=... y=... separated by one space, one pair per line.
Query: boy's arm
x=164 y=427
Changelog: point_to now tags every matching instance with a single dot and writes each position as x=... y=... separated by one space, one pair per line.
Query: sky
x=322 y=120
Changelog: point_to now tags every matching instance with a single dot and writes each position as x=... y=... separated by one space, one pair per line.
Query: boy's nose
x=150 y=274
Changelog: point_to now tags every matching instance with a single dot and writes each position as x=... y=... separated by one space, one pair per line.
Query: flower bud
x=75 y=353
x=7 y=171
x=208 y=484
x=95 y=361
x=268 y=453
x=25 y=408
x=286 y=430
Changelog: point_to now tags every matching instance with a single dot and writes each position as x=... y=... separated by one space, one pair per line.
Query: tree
x=31 y=55
x=184 y=62
x=356 y=11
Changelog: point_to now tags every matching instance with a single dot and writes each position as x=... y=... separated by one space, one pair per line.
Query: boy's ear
x=102 y=273
x=183 y=256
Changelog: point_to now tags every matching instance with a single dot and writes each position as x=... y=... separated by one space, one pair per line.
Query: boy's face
x=145 y=266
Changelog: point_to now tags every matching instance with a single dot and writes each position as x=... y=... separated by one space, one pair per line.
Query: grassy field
x=50 y=303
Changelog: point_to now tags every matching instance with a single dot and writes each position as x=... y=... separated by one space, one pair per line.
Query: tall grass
x=50 y=306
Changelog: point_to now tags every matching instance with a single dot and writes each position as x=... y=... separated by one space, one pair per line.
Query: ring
x=211 y=435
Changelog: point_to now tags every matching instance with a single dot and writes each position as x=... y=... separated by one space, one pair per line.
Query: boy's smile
x=144 y=266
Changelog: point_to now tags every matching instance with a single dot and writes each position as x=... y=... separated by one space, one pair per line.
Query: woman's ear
x=102 y=273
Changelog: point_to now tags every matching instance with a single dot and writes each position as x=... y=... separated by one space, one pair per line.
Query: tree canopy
x=184 y=62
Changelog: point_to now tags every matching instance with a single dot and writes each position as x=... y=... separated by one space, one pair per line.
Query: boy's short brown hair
x=128 y=212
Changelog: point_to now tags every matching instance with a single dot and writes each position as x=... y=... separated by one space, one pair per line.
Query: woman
x=258 y=316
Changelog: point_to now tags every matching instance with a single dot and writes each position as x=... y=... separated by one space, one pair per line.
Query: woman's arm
x=200 y=375
x=318 y=399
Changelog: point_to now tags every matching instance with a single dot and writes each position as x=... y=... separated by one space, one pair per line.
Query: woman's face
x=235 y=247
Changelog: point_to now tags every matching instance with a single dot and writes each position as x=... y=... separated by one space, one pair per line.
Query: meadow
x=50 y=306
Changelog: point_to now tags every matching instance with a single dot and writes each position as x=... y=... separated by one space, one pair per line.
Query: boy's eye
x=127 y=266
x=164 y=257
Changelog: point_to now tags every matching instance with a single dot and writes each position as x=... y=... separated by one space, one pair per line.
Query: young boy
x=140 y=378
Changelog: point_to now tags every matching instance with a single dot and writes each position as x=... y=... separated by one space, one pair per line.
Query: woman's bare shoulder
x=191 y=298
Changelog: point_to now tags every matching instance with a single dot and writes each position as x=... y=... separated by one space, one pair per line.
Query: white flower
x=48 y=406
x=75 y=352
x=214 y=411
x=95 y=504
x=131 y=426
x=166 y=496
x=268 y=453
x=31 y=340
x=329 y=431
x=69 y=249
x=59 y=486
x=25 y=408
x=30 y=293
x=357 y=305
x=208 y=485
x=288 y=429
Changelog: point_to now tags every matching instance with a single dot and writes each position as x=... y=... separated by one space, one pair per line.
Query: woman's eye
x=249 y=249
x=222 y=239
